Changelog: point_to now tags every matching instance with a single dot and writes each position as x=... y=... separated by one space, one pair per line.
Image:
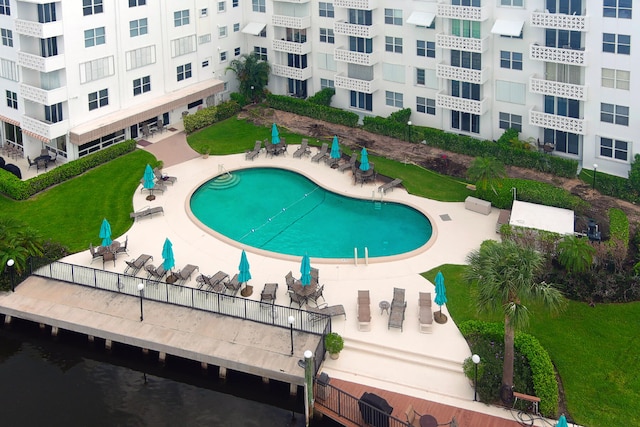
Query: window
x=393 y=99
x=420 y=76
x=141 y=85
x=325 y=83
x=426 y=105
x=511 y=92
x=617 y=9
x=259 y=5
x=7 y=37
x=617 y=114
x=362 y=101
x=204 y=12
x=465 y=121
x=205 y=63
x=180 y=18
x=235 y=3
x=184 y=71
x=326 y=9
x=466 y=59
x=510 y=121
x=236 y=51
x=223 y=56
x=465 y=28
x=514 y=3
x=465 y=90
x=134 y=3
x=614 y=149
x=94 y=37
x=46 y=12
x=474 y=3
x=222 y=6
x=222 y=32
x=138 y=27
x=94 y=70
x=616 y=43
x=98 y=99
x=53 y=113
x=393 y=44
x=358 y=44
x=205 y=38
x=236 y=27
x=5 y=8
x=360 y=17
x=49 y=47
x=327 y=36
x=425 y=48
x=91 y=7
x=511 y=60
x=261 y=52
x=618 y=79
x=563 y=73
x=393 y=16
x=562 y=106
x=12 y=100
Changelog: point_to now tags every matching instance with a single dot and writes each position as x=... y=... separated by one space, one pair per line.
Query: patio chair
x=270 y=148
x=389 y=186
x=164 y=178
x=290 y=280
x=325 y=309
x=53 y=157
x=136 y=265
x=31 y=163
x=94 y=253
x=153 y=273
x=413 y=418
x=316 y=295
x=350 y=164
x=185 y=273
x=41 y=164
x=364 y=310
x=233 y=286
x=304 y=149
x=123 y=248
x=322 y=154
x=425 y=313
x=250 y=155
x=297 y=298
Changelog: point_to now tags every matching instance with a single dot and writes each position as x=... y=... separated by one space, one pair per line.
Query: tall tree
x=575 y=254
x=486 y=172
x=253 y=75
x=506 y=275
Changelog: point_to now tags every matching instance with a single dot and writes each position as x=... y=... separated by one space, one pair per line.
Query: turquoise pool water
x=281 y=211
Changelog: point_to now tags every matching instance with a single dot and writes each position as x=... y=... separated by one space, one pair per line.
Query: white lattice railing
x=291 y=72
x=449 y=102
x=555 y=54
x=562 y=90
x=560 y=21
x=37 y=29
x=468 y=13
x=291 y=47
x=365 y=86
x=45 y=130
x=468 y=44
x=356 y=4
x=296 y=1
x=551 y=121
x=291 y=21
x=449 y=72
x=359 y=58
x=38 y=63
x=355 y=30
x=42 y=96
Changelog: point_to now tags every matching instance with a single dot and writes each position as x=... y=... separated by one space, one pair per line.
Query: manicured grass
x=595 y=350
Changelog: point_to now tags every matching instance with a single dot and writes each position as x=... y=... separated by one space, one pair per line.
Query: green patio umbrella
x=441 y=297
x=335 y=148
x=562 y=422
x=275 y=135
x=105 y=232
x=244 y=274
x=364 y=160
x=148 y=178
x=167 y=255
x=305 y=270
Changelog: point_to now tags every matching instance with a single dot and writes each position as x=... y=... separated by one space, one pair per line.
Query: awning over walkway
x=507 y=28
x=541 y=217
x=36 y=136
x=424 y=19
x=8 y=120
x=254 y=28
x=113 y=122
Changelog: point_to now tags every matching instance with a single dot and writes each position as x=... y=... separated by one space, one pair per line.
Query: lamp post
x=141 y=289
x=409 y=125
x=595 y=167
x=10 y=263
x=253 y=98
x=291 y=321
x=476 y=360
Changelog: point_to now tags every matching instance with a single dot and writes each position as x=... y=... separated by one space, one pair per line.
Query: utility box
x=322 y=389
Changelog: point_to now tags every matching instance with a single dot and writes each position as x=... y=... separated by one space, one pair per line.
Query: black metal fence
x=213 y=302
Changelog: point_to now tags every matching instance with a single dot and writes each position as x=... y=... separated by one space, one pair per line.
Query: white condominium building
x=80 y=75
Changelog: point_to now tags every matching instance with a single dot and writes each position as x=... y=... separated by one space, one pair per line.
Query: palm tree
x=506 y=275
x=253 y=75
x=17 y=242
x=575 y=254
x=485 y=172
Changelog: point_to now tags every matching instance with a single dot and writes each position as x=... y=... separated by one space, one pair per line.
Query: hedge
x=619 y=226
x=210 y=115
x=308 y=109
x=17 y=189
x=544 y=379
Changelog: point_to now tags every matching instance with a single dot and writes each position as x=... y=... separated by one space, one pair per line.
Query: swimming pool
x=282 y=211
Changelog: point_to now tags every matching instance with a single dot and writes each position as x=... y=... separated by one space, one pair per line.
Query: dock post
x=308 y=386
x=222 y=373
x=107 y=344
x=91 y=339
x=145 y=352
x=54 y=331
x=204 y=366
x=293 y=389
x=7 y=319
x=265 y=380
x=42 y=326
x=162 y=357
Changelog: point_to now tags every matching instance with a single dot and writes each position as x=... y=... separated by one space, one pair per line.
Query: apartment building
x=559 y=71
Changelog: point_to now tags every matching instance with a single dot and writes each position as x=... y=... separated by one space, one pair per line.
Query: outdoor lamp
x=10 y=263
x=141 y=289
x=409 y=124
x=595 y=166
x=476 y=360
x=291 y=321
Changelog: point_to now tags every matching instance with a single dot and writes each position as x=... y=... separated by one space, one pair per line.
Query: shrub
x=305 y=108
x=210 y=115
x=333 y=342
x=619 y=226
x=322 y=97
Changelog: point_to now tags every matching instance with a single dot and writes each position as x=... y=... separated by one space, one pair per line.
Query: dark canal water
x=68 y=382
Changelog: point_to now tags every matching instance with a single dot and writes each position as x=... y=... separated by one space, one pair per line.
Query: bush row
x=544 y=379
x=619 y=226
x=210 y=115
x=17 y=189
x=308 y=109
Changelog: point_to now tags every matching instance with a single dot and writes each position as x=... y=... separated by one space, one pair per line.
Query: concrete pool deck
x=426 y=366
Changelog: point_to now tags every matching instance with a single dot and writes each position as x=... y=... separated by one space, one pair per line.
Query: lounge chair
x=136 y=265
x=148 y=211
x=214 y=283
x=164 y=178
x=413 y=418
x=350 y=164
x=250 y=155
x=389 y=185
x=304 y=149
x=233 y=286
x=158 y=186
x=364 y=311
x=398 y=307
x=425 y=314
x=185 y=273
x=268 y=294
x=322 y=154
x=325 y=309
x=154 y=273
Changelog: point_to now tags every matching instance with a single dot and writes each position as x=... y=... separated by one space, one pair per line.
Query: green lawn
x=595 y=350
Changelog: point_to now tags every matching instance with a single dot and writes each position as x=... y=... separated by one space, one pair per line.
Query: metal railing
x=213 y=302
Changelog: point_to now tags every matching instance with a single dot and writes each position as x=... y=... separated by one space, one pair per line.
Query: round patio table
x=384 y=306
x=428 y=421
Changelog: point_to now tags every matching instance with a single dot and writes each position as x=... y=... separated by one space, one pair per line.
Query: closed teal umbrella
x=441 y=295
x=245 y=274
x=335 y=148
x=275 y=135
x=562 y=422
x=364 y=160
x=305 y=270
x=105 y=232
x=167 y=255
x=148 y=178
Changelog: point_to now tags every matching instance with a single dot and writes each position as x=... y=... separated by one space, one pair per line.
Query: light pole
x=10 y=263
x=253 y=98
x=476 y=360
x=409 y=124
x=141 y=289
x=291 y=321
x=595 y=167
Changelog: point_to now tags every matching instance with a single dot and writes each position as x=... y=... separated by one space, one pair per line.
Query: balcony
x=562 y=90
x=295 y=1
x=449 y=72
x=559 y=55
x=461 y=104
x=43 y=129
x=467 y=13
x=560 y=21
x=446 y=41
x=364 y=86
x=38 y=63
x=37 y=29
x=291 y=47
x=355 y=30
x=291 y=21
x=43 y=96
x=291 y=72
x=551 y=121
x=360 y=58
x=356 y=4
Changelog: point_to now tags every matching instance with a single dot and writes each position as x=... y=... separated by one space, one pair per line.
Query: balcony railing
x=292 y=72
x=461 y=104
x=295 y=1
x=552 y=121
x=355 y=30
x=356 y=4
x=359 y=58
x=468 y=44
x=559 y=55
x=44 y=129
x=43 y=96
x=560 y=21
x=467 y=13
x=562 y=90
x=358 y=85
x=449 y=72
x=291 y=47
x=38 y=63
x=38 y=29
x=291 y=21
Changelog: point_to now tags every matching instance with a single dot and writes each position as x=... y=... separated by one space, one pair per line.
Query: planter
x=334 y=356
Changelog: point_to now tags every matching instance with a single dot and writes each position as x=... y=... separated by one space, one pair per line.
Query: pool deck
x=425 y=366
